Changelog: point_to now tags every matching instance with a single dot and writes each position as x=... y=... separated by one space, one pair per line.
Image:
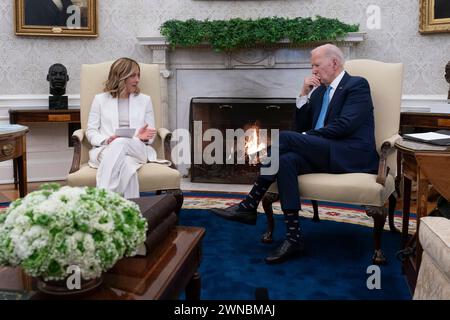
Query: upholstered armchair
x=153 y=177
x=433 y=281
x=373 y=191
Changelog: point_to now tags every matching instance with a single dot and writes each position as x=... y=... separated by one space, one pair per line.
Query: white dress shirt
x=124 y=112
x=58 y=3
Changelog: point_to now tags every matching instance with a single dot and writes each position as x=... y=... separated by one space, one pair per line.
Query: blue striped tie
x=323 y=111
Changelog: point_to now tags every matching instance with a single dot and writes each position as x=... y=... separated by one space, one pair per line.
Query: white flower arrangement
x=56 y=227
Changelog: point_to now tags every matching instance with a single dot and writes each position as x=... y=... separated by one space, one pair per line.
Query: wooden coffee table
x=170 y=269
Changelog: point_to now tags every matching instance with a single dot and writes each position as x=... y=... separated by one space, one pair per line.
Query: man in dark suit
x=335 y=134
x=47 y=12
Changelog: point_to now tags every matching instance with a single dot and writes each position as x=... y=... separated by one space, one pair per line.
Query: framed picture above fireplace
x=434 y=16
x=56 y=18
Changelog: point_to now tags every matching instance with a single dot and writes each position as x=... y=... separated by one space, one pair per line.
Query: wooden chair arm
x=387 y=148
x=166 y=136
x=77 y=138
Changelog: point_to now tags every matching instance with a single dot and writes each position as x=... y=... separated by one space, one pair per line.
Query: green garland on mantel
x=224 y=35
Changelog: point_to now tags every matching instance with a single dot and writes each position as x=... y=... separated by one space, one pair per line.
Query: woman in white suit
x=121 y=105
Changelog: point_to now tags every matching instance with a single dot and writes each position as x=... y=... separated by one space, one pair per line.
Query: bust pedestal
x=57 y=102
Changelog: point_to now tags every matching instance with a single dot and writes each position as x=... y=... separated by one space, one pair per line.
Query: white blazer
x=104 y=120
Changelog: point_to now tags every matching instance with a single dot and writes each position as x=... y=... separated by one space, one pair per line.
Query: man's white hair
x=331 y=51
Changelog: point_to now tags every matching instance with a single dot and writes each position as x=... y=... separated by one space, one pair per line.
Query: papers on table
x=427 y=136
x=125 y=132
x=441 y=137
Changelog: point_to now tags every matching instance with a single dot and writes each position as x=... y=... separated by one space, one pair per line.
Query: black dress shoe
x=235 y=213
x=284 y=252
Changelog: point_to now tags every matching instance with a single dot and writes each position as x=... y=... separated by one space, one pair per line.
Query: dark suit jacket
x=46 y=13
x=349 y=123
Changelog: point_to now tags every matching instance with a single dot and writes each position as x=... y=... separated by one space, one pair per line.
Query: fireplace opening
x=245 y=125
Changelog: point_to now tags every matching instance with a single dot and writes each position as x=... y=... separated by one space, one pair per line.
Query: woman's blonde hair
x=120 y=70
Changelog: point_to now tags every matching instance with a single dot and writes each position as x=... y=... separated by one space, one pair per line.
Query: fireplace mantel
x=262 y=56
x=160 y=43
x=274 y=71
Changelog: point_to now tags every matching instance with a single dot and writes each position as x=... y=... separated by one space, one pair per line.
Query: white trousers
x=118 y=165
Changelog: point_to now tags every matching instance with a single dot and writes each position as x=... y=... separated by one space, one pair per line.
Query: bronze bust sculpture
x=447 y=77
x=57 y=77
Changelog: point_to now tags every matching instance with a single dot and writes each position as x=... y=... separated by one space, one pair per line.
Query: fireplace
x=237 y=163
x=264 y=72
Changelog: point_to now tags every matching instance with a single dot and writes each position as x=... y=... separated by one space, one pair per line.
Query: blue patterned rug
x=334 y=266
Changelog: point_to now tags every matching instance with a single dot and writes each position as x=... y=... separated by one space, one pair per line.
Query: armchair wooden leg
x=179 y=197
x=315 y=206
x=392 y=205
x=379 y=218
x=267 y=202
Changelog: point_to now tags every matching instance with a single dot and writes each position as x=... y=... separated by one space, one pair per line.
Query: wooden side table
x=426 y=120
x=411 y=171
x=26 y=116
x=69 y=116
x=44 y=115
x=13 y=146
x=423 y=121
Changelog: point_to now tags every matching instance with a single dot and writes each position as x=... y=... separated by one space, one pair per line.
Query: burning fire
x=253 y=147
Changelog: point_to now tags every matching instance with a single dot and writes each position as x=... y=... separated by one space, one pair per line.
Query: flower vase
x=69 y=232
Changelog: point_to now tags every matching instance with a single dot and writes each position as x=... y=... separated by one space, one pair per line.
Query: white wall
x=24 y=61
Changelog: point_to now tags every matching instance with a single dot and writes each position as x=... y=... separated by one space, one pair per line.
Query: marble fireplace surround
x=261 y=72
